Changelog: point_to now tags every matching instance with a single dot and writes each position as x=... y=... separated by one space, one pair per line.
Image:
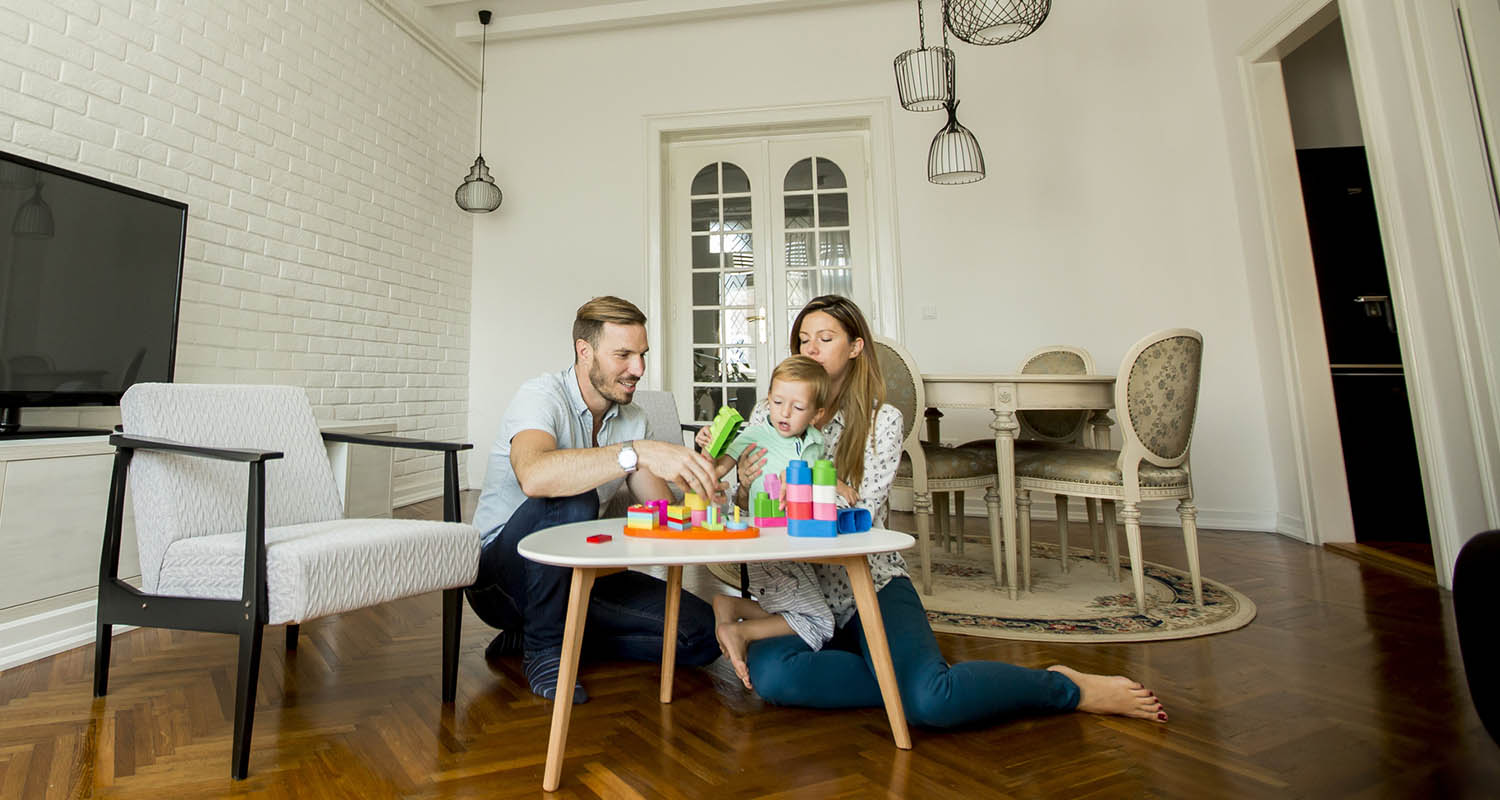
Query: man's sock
x=541 y=673
x=506 y=643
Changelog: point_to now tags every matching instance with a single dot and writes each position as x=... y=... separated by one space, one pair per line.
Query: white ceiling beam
x=628 y=15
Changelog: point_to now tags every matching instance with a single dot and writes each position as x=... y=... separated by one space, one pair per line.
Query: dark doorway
x=1369 y=384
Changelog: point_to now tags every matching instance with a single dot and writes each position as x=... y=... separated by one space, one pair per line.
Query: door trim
x=872 y=116
x=1415 y=147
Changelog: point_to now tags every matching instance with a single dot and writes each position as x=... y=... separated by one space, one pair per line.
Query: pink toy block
x=770 y=522
x=827 y=512
x=773 y=486
x=661 y=511
x=699 y=516
x=799 y=493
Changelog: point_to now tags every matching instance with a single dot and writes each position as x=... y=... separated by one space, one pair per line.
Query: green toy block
x=726 y=426
x=823 y=473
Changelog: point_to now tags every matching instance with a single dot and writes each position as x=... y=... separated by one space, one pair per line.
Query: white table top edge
x=566 y=546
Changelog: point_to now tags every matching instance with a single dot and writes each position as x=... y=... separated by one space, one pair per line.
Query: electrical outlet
x=929 y=312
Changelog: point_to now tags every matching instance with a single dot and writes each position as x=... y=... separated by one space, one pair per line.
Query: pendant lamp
x=34 y=217
x=954 y=156
x=478 y=194
x=994 y=21
x=924 y=76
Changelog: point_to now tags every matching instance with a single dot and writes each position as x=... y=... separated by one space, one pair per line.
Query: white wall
x=1109 y=210
x=317 y=146
x=1320 y=92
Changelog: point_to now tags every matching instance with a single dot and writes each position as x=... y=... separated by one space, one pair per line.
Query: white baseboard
x=1291 y=526
x=48 y=633
x=1152 y=513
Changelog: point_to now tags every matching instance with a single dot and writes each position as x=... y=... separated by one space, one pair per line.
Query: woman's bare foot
x=732 y=642
x=1113 y=694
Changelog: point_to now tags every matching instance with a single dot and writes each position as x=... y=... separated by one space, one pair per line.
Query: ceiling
x=452 y=26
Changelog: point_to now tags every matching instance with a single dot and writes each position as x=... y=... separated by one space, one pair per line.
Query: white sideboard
x=53 y=498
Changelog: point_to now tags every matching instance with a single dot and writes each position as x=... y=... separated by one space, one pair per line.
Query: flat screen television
x=90 y=278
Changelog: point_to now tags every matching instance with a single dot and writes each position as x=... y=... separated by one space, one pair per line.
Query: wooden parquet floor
x=1348 y=684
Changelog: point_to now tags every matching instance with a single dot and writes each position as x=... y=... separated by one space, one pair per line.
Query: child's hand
x=845 y=491
x=704 y=438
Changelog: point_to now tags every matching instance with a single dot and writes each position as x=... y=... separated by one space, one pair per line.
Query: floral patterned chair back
x=1157 y=395
x=1065 y=427
x=903 y=386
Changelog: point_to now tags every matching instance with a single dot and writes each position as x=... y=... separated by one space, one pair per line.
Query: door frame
x=1436 y=232
x=870 y=116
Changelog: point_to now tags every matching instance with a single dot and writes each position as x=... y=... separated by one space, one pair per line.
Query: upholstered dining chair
x=926 y=466
x=1156 y=399
x=1047 y=429
x=239 y=525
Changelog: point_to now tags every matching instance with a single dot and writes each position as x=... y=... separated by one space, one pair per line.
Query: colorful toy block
x=661 y=511
x=811 y=498
x=854 y=520
x=726 y=426
x=767 y=512
x=642 y=517
x=735 y=524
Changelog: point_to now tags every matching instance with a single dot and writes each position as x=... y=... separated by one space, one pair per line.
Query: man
x=567 y=443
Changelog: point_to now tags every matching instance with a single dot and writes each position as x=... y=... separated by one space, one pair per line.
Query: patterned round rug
x=1083 y=605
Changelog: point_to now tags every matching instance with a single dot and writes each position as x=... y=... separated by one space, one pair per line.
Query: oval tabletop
x=568 y=546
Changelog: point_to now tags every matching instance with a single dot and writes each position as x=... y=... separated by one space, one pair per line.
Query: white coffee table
x=566 y=546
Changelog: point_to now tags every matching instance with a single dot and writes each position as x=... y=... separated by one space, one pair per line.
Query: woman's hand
x=845 y=491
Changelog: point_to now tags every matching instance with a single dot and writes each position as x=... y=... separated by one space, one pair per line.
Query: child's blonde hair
x=801 y=369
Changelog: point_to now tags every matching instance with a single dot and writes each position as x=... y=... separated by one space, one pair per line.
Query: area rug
x=1083 y=605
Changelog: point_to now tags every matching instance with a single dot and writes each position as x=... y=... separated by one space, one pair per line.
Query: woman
x=864 y=433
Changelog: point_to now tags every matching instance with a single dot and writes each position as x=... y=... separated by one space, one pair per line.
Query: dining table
x=1005 y=395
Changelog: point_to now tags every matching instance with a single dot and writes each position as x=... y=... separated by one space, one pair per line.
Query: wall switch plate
x=929 y=312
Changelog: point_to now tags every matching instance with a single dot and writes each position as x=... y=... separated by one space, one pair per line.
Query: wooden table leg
x=567 y=675
x=1005 y=427
x=669 y=632
x=858 y=568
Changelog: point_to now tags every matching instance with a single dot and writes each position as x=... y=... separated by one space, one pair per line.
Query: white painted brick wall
x=317 y=147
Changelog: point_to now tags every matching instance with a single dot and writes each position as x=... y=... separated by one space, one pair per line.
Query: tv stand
x=11 y=428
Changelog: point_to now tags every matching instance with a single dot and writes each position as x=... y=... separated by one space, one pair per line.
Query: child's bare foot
x=732 y=642
x=1113 y=694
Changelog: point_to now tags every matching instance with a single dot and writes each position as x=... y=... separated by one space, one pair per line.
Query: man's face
x=618 y=363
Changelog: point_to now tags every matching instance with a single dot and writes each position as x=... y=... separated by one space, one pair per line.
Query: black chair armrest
x=691 y=428
x=395 y=441
x=128 y=442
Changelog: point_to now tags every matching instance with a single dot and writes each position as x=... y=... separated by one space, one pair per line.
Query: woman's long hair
x=863 y=391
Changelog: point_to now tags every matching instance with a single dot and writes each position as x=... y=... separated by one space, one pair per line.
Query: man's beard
x=608 y=389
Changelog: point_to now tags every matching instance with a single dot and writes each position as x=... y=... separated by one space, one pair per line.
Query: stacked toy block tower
x=811 y=499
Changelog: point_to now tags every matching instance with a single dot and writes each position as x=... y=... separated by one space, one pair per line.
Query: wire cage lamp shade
x=34 y=217
x=478 y=194
x=954 y=157
x=994 y=21
x=924 y=76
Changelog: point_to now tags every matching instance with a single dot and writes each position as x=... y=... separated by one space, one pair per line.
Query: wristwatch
x=628 y=458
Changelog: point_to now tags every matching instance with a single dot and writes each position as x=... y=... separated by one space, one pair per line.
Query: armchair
x=230 y=551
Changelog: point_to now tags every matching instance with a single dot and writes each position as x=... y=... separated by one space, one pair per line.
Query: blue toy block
x=854 y=520
x=819 y=528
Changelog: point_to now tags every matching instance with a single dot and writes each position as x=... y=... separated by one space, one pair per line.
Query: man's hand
x=675 y=463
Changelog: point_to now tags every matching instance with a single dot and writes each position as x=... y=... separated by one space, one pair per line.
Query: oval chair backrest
x=1156 y=395
x=180 y=496
x=903 y=384
x=1056 y=426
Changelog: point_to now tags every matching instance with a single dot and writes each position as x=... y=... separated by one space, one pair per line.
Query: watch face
x=628 y=457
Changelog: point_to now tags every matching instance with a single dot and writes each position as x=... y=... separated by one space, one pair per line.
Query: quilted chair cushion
x=1056 y=426
x=951 y=463
x=900 y=387
x=1098 y=467
x=1162 y=394
x=320 y=568
x=178 y=497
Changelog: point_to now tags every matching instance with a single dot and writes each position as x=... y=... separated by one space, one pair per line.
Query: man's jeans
x=627 y=610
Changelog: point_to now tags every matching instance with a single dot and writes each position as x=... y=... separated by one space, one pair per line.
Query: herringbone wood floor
x=1348 y=684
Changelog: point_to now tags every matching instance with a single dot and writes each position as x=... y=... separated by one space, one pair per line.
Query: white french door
x=758 y=227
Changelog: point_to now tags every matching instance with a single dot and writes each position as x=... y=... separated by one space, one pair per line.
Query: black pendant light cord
x=484 y=29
